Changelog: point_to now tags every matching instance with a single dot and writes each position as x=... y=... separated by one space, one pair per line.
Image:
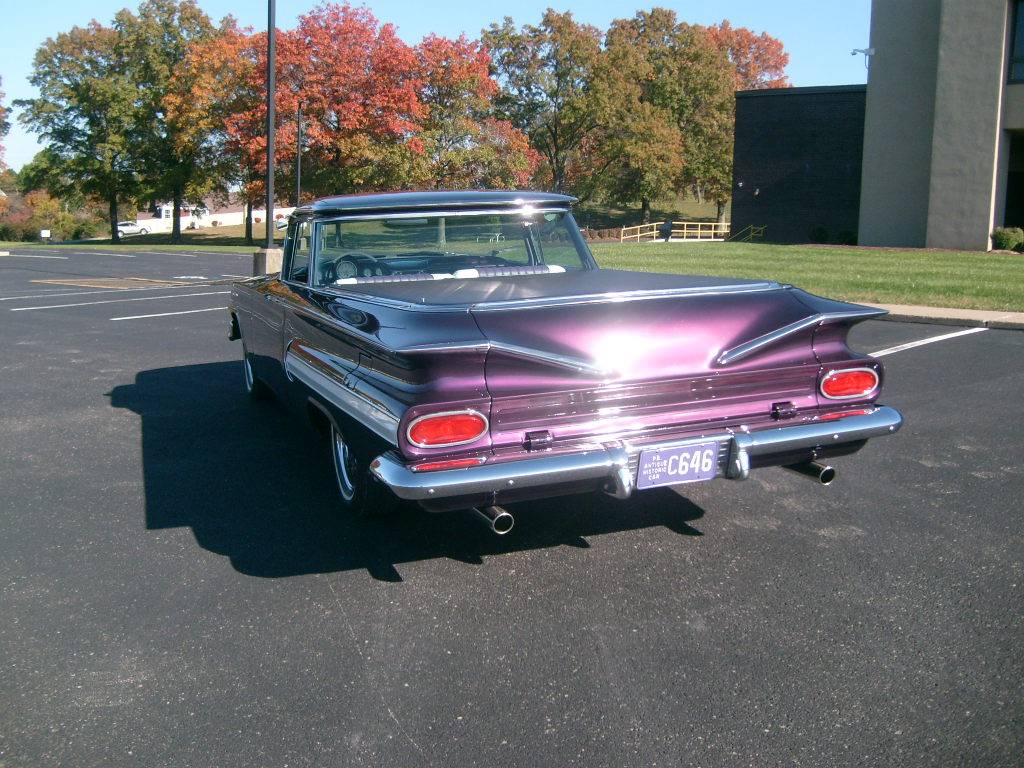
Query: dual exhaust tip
x=823 y=473
x=498 y=519
x=501 y=521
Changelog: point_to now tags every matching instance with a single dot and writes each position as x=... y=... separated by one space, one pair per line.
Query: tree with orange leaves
x=759 y=60
x=463 y=144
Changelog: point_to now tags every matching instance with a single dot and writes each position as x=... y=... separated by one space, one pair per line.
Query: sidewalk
x=909 y=313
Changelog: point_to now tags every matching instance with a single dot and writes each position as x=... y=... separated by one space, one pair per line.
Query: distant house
x=196 y=217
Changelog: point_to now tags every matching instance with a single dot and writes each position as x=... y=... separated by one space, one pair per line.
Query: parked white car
x=131 y=228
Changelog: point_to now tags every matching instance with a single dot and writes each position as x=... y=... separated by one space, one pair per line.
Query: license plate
x=683 y=464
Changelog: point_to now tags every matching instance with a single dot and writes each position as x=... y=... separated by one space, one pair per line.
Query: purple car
x=463 y=350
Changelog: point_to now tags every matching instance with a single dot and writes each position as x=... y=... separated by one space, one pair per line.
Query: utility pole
x=271 y=87
x=298 y=155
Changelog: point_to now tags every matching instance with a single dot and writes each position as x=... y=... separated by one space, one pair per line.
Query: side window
x=301 y=242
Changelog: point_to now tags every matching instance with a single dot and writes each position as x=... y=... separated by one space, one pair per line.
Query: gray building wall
x=899 y=116
x=966 y=133
x=797 y=162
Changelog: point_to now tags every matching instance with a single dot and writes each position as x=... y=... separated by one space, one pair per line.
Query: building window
x=1017 y=44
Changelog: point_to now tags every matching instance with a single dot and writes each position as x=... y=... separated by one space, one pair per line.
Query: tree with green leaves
x=87 y=113
x=685 y=78
x=176 y=148
x=546 y=73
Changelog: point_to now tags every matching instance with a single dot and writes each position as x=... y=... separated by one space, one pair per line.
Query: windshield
x=438 y=246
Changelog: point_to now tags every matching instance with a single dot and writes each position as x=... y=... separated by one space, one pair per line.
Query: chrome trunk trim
x=740 y=351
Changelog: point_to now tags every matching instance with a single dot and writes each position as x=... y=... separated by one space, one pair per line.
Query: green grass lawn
x=970 y=280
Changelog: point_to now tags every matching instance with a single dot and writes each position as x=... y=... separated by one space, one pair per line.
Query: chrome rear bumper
x=612 y=463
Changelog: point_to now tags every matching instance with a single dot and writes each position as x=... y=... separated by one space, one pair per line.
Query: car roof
x=435 y=199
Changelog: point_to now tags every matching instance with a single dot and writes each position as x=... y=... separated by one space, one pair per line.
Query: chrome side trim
x=324 y=380
x=730 y=356
x=612 y=462
x=419 y=212
x=418 y=419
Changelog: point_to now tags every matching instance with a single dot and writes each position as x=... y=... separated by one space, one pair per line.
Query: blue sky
x=818 y=35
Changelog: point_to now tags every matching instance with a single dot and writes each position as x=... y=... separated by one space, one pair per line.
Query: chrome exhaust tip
x=823 y=473
x=499 y=520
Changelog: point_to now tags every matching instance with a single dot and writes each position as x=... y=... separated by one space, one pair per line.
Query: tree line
x=164 y=104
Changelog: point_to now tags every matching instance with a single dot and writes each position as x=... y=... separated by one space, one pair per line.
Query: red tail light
x=849 y=384
x=446 y=429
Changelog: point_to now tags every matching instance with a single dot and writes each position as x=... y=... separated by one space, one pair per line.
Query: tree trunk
x=176 y=220
x=114 y=236
x=721 y=211
x=248 y=223
x=645 y=211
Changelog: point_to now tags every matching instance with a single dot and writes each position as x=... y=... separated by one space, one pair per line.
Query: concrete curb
x=972 y=318
x=5 y=253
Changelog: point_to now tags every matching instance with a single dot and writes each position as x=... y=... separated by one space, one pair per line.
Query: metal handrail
x=683 y=230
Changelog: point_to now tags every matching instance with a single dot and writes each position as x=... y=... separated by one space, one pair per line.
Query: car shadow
x=255 y=484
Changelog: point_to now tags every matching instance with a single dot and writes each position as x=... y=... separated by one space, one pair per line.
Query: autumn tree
x=224 y=91
x=87 y=112
x=546 y=74
x=358 y=84
x=178 y=163
x=758 y=60
x=463 y=144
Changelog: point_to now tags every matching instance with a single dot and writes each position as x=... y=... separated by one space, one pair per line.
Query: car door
x=275 y=298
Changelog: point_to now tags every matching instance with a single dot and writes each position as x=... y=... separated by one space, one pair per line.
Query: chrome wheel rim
x=343 y=466
x=247 y=371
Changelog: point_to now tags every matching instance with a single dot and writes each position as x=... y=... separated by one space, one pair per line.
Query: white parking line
x=116 y=301
x=167 y=314
x=105 y=290
x=31 y=256
x=922 y=342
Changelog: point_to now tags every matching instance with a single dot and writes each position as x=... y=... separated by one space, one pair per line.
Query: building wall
x=797 y=162
x=966 y=133
x=899 y=117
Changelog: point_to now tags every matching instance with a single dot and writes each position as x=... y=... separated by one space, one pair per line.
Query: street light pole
x=271 y=87
x=298 y=155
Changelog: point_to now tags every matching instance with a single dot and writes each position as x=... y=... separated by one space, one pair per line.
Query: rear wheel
x=254 y=388
x=360 y=494
x=143 y=231
x=120 y=233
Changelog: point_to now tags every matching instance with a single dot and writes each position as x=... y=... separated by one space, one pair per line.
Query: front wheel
x=360 y=494
x=143 y=231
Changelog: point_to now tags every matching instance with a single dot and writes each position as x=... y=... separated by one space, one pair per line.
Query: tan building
x=944 y=123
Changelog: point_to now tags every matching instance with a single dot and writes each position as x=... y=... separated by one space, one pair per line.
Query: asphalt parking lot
x=177 y=589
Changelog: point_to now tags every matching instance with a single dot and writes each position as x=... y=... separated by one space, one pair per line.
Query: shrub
x=1007 y=238
x=819 y=235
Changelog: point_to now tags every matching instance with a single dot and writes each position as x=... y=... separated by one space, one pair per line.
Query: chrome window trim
x=729 y=356
x=878 y=383
x=460 y=412
x=523 y=210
